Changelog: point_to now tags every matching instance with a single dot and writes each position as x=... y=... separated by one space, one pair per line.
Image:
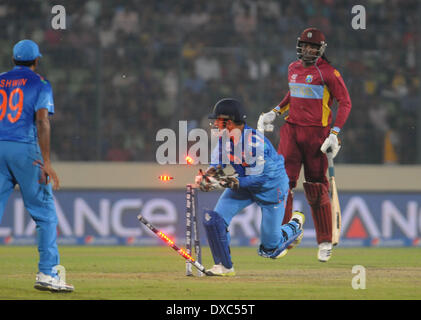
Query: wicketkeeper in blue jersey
x=26 y=101
x=259 y=178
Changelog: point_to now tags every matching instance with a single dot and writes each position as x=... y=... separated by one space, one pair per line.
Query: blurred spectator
x=207 y=67
x=245 y=17
x=117 y=151
x=258 y=67
x=125 y=19
x=124 y=69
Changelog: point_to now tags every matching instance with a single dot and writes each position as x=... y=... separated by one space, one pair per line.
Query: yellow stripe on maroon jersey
x=282 y=110
x=325 y=107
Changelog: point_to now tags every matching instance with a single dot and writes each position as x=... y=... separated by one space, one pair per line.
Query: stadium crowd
x=122 y=70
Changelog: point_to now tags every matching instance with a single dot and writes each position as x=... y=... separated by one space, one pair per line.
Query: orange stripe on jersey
x=325 y=107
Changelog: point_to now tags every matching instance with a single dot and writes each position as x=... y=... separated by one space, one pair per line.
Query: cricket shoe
x=273 y=254
x=219 y=270
x=282 y=250
x=299 y=218
x=325 y=251
x=45 y=282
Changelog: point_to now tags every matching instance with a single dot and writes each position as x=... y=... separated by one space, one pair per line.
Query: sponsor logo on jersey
x=306 y=91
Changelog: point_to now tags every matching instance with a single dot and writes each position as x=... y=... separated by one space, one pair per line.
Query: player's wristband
x=335 y=130
x=277 y=110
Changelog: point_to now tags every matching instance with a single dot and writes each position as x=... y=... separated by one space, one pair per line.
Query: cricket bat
x=334 y=200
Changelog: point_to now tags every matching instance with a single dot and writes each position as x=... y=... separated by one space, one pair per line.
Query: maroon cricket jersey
x=311 y=93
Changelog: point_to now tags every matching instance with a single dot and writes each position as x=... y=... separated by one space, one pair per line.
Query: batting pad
x=217 y=233
x=318 y=198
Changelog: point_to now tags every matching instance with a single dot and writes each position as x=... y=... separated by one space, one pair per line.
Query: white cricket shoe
x=325 y=251
x=45 y=282
x=220 y=271
x=297 y=215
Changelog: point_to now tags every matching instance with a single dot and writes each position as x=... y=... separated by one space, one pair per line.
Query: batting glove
x=332 y=143
x=265 y=121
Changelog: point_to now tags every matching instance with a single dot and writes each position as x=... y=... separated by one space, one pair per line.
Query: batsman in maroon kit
x=308 y=132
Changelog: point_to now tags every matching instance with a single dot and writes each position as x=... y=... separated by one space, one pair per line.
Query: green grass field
x=158 y=273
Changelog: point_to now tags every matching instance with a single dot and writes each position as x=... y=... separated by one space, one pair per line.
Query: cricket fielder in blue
x=259 y=178
x=26 y=101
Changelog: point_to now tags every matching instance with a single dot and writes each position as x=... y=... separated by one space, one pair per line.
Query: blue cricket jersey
x=260 y=168
x=22 y=93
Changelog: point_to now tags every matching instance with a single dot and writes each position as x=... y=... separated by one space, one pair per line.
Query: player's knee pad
x=217 y=233
x=316 y=193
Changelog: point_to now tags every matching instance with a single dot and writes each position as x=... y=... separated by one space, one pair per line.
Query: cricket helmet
x=229 y=109
x=312 y=36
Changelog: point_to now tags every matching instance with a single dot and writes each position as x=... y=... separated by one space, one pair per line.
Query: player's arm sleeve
x=217 y=155
x=255 y=171
x=45 y=97
x=255 y=176
x=339 y=91
x=283 y=106
x=252 y=181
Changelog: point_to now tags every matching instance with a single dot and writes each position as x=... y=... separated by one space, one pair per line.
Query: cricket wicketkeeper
x=259 y=177
x=308 y=132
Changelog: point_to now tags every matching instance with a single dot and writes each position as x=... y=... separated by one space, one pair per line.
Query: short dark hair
x=24 y=63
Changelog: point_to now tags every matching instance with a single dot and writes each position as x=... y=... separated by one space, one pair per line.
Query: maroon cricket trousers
x=300 y=146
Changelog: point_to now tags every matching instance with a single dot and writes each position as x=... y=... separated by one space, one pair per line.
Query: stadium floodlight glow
x=171 y=243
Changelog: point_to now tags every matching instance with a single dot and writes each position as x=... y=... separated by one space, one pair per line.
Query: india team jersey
x=311 y=93
x=262 y=172
x=22 y=93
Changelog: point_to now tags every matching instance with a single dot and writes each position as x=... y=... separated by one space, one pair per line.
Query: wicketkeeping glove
x=215 y=171
x=208 y=181
x=332 y=143
x=229 y=181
